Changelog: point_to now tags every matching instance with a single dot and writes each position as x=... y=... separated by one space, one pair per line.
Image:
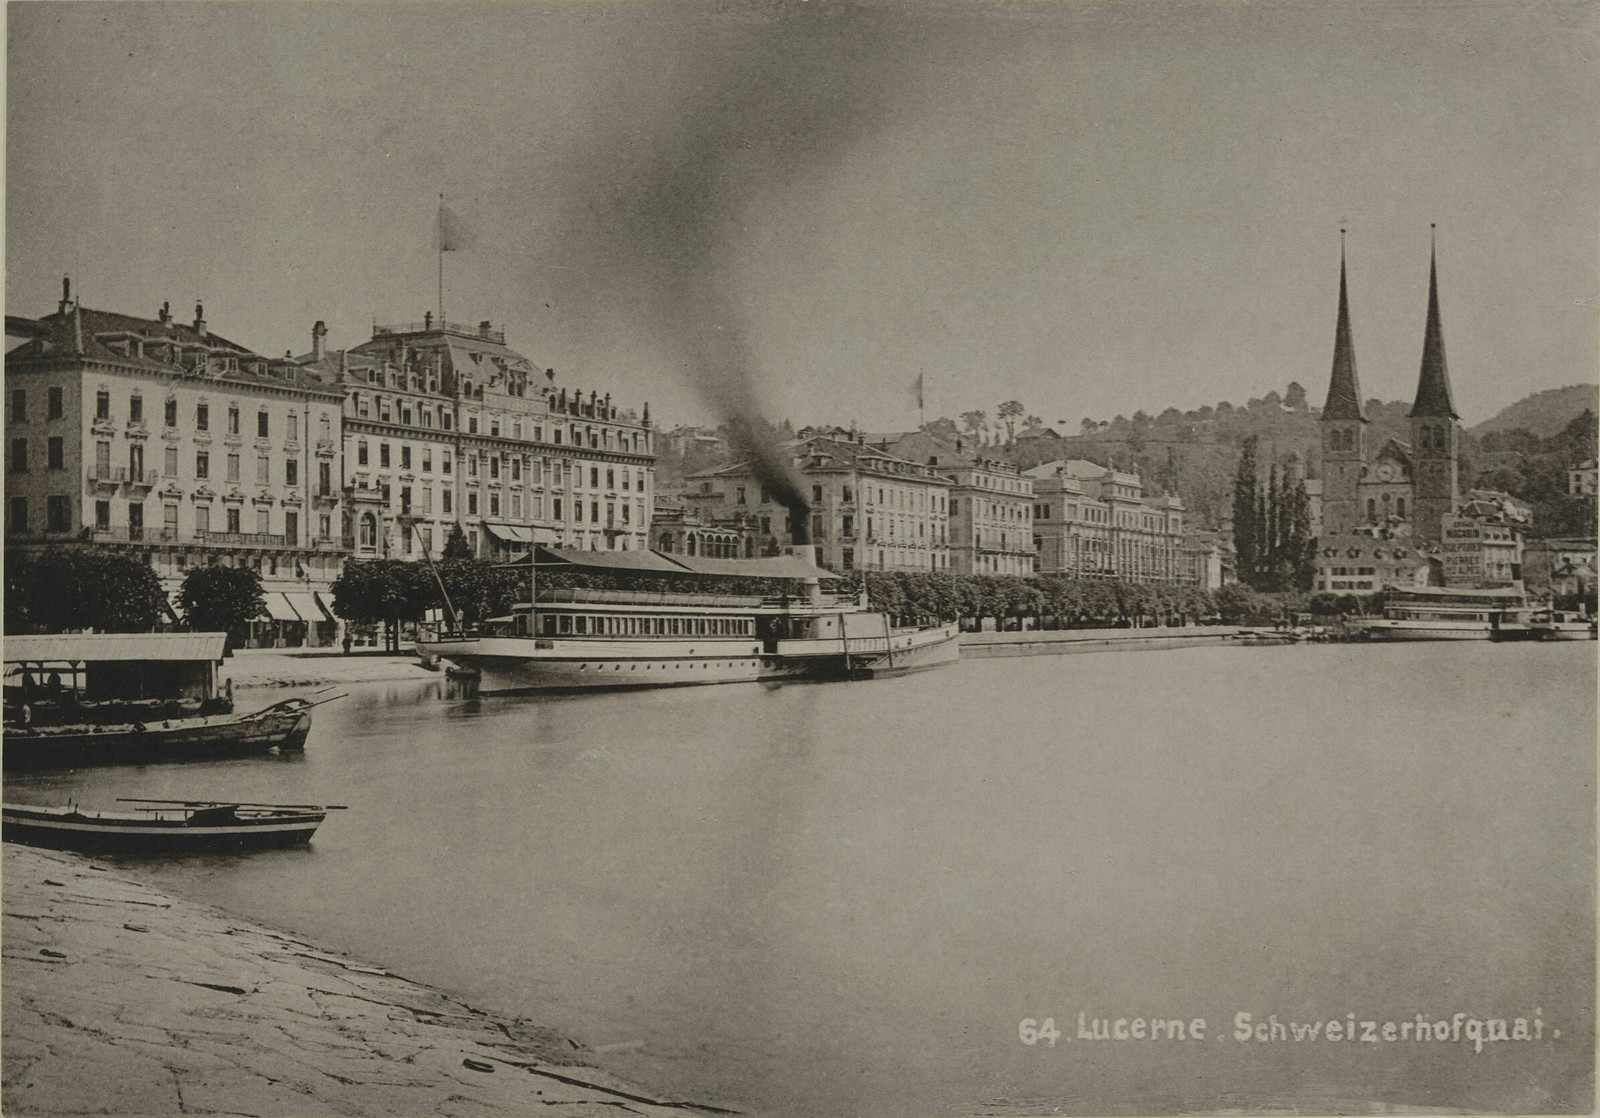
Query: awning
x=509 y=533
x=278 y=607
x=325 y=600
x=305 y=605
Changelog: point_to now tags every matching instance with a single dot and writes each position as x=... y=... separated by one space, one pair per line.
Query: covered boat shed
x=99 y=667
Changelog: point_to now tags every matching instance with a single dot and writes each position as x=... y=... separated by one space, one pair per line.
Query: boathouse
x=112 y=667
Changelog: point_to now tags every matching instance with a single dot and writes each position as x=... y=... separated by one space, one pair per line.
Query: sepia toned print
x=800 y=558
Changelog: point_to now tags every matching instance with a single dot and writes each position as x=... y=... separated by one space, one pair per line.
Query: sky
x=800 y=207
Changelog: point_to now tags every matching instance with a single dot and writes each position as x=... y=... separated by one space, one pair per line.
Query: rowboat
x=282 y=726
x=164 y=827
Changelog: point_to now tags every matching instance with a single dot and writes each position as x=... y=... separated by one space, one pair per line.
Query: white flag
x=454 y=235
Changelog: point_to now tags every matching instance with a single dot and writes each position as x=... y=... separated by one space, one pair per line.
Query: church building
x=1384 y=508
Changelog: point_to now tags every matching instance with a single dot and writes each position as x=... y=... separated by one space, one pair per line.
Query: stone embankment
x=119 y=999
x=1049 y=642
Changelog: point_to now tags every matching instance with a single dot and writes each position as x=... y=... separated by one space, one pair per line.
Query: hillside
x=1544 y=413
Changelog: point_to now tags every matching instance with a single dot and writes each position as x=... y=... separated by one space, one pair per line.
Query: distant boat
x=1439 y=614
x=283 y=726
x=1561 y=625
x=164 y=827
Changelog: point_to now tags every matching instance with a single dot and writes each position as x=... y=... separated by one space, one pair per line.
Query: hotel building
x=991 y=506
x=870 y=510
x=1092 y=520
x=181 y=446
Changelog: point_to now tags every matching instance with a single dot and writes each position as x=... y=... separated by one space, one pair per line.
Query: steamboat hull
x=510 y=665
x=283 y=727
x=118 y=833
x=1394 y=630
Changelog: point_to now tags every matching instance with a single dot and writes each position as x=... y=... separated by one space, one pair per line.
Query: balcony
x=142 y=479
x=107 y=479
x=240 y=539
x=125 y=535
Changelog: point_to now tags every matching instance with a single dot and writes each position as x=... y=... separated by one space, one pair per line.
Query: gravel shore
x=260 y=667
x=119 y=999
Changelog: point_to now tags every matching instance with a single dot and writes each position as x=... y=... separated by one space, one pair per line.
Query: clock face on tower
x=1386 y=472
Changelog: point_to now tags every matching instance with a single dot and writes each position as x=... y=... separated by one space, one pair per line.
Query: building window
x=383 y=456
x=447 y=499
x=233 y=468
x=472 y=502
x=55 y=453
x=19 y=405
x=444 y=462
x=17 y=515
x=202 y=464
x=202 y=417
x=58 y=514
x=594 y=477
x=369 y=530
x=291 y=471
x=233 y=520
x=170 y=413
x=102 y=515
x=325 y=479
x=55 y=406
x=494 y=504
x=102 y=405
x=405 y=457
x=136 y=409
x=202 y=520
x=19 y=456
x=261 y=425
x=427 y=460
x=263 y=470
x=233 y=419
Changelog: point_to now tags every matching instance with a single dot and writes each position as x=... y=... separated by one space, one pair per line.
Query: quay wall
x=1050 y=642
x=120 y=999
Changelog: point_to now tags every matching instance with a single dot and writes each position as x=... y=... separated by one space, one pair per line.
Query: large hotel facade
x=169 y=440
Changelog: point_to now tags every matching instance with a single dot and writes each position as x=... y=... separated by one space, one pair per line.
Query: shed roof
x=98 y=648
x=612 y=560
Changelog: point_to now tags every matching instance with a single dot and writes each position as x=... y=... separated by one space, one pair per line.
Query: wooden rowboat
x=164 y=827
x=282 y=726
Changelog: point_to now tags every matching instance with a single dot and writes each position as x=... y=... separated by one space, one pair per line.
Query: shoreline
x=119 y=998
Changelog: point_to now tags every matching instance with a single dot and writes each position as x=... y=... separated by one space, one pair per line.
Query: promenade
x=122 y=1000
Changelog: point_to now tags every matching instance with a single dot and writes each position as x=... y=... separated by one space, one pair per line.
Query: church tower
x=1435 y=434
x=1343 y=426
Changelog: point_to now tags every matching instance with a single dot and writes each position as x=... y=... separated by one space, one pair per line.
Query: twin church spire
x=1433 y=399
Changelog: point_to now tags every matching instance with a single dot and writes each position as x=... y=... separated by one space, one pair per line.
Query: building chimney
x=550 y=375
x=200 y=319
x=483 y=328
x=427 y=320
x=319 y=334
x=66 y=294
x=958 y=446
x=164 y=316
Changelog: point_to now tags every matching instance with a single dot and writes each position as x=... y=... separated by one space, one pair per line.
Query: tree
x=384 y=591
x=456 y=545
x=1294 y=396
x=974 y=423
x=222 y=599
x=1089 y=426
x=1246 y=534
x=1033 y=423
x=1008 y=413
x=76 y=587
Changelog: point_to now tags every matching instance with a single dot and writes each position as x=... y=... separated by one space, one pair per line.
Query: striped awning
x=278 y=607
x=325 y=600
x=509 y=533
x=304 y=604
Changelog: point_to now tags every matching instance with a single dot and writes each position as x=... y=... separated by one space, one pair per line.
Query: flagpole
x=441 y=260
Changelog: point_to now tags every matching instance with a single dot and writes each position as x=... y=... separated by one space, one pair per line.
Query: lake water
x=844 y=898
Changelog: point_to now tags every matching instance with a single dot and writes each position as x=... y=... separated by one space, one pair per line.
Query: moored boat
x=164 y=827
x=282 y=726
x=726 y=621
x=1436 y=614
